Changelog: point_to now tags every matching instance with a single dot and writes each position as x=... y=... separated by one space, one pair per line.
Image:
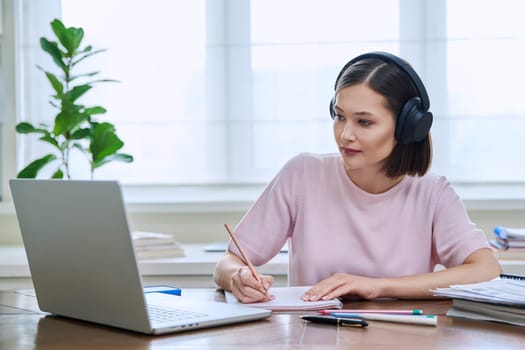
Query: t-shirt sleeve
x=270 y=221
x=455 y=237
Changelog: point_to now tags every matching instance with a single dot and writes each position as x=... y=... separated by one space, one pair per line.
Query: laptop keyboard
x=162 y=314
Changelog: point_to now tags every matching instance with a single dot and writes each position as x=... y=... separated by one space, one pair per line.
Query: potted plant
x=75 y=126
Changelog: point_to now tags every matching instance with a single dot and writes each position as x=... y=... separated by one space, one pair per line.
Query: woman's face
x=363 y=127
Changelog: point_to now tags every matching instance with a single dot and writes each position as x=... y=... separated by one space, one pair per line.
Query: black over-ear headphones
x=414 y=121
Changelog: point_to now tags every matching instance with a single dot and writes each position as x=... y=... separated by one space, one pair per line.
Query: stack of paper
x=509 y=243
x=501 y=300
x=151 y=245
x=488 y=312
x=289 y=299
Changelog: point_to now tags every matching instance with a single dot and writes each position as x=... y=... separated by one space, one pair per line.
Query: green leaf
x=57 y=85
x=81 y=134
x=75 y=36
x=48 y=138
x=86 y=49
x=27 y=128
x=78 y=91
x=58 y=27
x=95 y=110
x=121 y=157
x=104 y=81
x=104 y=142
x=32 y=169
x=74 y=63
x=59 y=174
x=90 y=74
x=70 y=37
x=24 y=128
x=67 y=121
x=51 y=47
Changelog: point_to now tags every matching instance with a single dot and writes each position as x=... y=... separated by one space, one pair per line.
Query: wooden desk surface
x=23 y=326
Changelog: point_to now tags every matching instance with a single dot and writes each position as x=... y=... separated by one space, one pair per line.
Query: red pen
x=373 y=311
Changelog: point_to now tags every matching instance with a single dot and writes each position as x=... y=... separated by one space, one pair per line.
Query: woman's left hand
x=343 y=284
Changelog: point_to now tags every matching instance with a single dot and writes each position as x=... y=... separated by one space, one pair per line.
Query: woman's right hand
x=248 y=289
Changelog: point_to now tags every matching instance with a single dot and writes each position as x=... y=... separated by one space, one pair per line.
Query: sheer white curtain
x=226 y=91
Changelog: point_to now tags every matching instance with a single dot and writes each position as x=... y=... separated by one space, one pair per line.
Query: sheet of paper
x=498 y=290
x=289 y=299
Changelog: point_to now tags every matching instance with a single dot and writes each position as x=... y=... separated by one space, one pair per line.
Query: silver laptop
x=83 y=266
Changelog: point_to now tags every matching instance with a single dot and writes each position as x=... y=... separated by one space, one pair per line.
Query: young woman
x=369 y=221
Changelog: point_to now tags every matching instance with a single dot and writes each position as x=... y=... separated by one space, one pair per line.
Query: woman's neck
x=371 y=180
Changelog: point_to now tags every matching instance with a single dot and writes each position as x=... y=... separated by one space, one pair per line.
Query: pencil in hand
x=247 y=261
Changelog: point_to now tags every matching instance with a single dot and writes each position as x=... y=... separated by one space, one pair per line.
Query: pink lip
x=349 y=151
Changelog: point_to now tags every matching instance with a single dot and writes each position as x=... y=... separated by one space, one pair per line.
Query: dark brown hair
x=396 y=87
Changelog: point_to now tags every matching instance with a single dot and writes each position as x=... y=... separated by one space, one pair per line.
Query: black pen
x=347 y=322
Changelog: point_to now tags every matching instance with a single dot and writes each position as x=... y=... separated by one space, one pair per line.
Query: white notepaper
x=289 y=299
x=499 y=290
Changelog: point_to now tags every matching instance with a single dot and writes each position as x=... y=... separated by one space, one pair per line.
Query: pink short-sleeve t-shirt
x=331 y=225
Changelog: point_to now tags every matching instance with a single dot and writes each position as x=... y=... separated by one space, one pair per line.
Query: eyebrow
x=356 y=113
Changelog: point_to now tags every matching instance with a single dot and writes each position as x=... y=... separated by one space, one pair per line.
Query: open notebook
x=289 y=299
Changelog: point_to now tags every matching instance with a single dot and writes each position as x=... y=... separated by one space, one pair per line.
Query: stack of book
x=153 y=245
x=508 y=243
x=499 y=300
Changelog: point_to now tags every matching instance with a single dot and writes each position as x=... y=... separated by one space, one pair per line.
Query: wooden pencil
x=245 y=259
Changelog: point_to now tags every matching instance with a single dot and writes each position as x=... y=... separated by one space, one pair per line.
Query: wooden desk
x=23 y=326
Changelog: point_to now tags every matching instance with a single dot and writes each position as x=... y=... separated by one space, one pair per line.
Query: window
x=226 y=91
x=485 y=104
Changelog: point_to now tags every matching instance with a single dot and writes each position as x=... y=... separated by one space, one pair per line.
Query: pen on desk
x=426 y=320
x=245 y=259
x=347 y=322
x=373 y=311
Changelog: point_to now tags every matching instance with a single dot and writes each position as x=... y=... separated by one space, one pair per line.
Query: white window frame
x=423 y=17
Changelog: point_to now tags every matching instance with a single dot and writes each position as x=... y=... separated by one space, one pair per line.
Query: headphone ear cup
x=422 y=126
x=413 y=123
x=332 y=105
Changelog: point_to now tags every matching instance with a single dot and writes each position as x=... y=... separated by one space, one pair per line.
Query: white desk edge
x=196 y=262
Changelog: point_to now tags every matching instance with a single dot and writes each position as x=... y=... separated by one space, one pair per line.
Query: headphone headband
x=414 y=120
x=402 y=64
